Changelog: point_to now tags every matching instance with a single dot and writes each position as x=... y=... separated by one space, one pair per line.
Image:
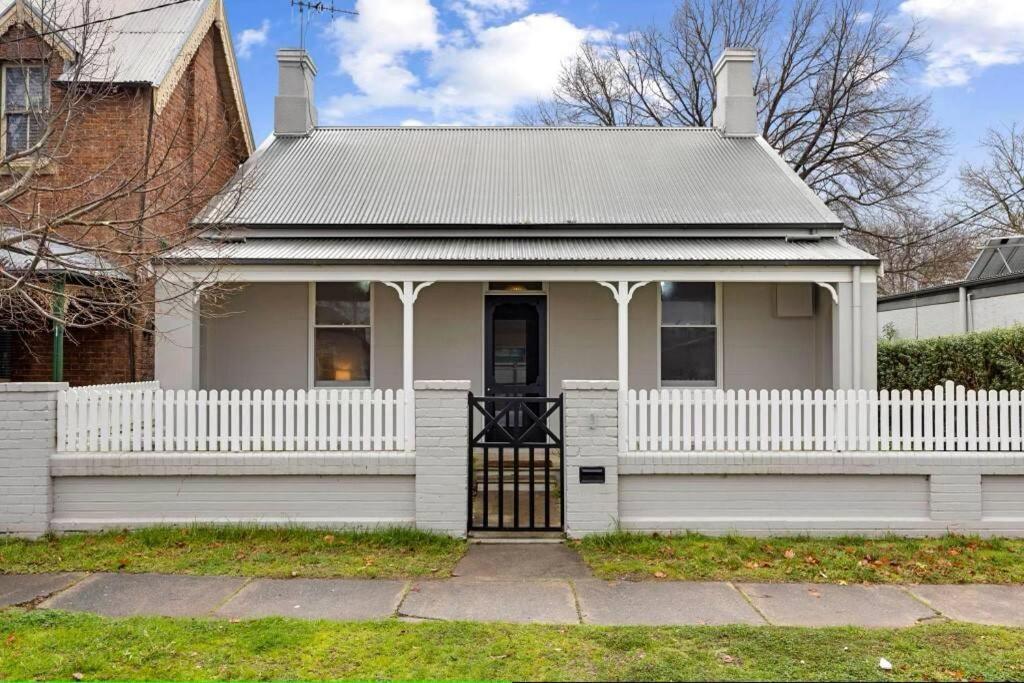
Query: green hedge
x=982 y=360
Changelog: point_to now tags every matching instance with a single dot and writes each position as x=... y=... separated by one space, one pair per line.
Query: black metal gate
x=516 y=468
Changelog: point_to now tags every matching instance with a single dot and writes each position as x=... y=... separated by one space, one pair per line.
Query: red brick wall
x=196 y=129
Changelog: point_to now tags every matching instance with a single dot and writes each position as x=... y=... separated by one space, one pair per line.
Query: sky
x=475 y=62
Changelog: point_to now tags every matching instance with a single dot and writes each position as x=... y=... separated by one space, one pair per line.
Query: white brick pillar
x=591 y=440
x=442 y=456
x=28 y=437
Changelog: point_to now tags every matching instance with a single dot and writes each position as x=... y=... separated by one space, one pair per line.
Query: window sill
x=22 y=166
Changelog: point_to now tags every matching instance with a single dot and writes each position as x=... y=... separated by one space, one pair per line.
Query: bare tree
x=832 y=93
x=994 y=188
x=918 y=248
x=92 y=197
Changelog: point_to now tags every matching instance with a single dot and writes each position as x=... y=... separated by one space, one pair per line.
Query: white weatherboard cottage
x=522 y=329
x=517 y=258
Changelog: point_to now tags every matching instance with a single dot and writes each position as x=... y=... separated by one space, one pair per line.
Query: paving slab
x=996 y=605
x=123 y=595
x=521 y=561
x=539 y=601
x=338 y=599
x=16 y=589
x=651 y=603
x=806 y=604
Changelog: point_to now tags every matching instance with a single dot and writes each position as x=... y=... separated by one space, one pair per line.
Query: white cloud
x=968 y=36
x=374 y=46
x=509 y=65
x=477 y=66
x=253 y=37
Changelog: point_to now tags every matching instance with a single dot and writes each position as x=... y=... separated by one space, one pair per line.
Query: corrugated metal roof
x=136 y=49
x=532 y=250
x=519 y=176
x=59 y=257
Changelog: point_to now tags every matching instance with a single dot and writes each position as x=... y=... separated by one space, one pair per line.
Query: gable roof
x=153 y=45
x=433 y=176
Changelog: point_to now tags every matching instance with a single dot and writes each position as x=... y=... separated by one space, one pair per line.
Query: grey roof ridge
x=693 y=129
x=828 y=216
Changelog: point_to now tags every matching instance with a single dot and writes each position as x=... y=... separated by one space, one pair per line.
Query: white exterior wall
x=922 y=322
x=784 y=501
x=82 y=503
x=258 y=337
x=908 y=493
x=764 y=351
x=997 y=311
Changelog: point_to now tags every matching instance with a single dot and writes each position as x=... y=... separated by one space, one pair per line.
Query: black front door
x=515 y=362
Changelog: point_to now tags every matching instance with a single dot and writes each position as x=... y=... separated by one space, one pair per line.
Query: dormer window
x=24 y=106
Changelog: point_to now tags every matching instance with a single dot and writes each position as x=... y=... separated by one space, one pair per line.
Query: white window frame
x=3 y=94
x=719 y=344
x=311 y=353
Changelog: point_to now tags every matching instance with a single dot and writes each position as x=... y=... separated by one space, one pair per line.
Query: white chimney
x=735 y=106
x=294 y=108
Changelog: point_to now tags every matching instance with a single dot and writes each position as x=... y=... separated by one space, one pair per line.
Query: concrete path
x=520 y=584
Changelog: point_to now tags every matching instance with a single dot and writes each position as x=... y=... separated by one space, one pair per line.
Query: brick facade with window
x=200 y=124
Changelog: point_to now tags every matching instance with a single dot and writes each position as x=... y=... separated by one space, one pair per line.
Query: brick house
x=171 y=88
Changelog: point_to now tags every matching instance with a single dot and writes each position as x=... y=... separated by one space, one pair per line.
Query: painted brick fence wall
x=752 y=492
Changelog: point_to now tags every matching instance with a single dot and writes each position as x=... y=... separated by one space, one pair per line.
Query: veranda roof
x=534 y=251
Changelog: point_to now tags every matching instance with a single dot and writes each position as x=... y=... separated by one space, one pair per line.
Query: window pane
x=342 y=355
x=14 y=96
x=36 y=88
x=343 y=303
x=17 y=133
x=688 y=354
x=688 y=303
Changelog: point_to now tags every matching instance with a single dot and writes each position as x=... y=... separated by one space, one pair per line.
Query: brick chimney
x=294 y=108
x=735 y=107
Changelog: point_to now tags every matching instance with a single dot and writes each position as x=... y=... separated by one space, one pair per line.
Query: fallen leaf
x=660 y=575
x=77 y=676
x=789 y=554
x=329 y=538
x=10 y=639
x=811 y=559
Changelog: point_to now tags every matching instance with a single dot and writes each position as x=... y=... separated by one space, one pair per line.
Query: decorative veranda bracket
x=623 y=292
x=831 y=290
x=407 y=291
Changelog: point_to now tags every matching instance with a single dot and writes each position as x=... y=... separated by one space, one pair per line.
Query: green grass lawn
x=243 y=551
x=951 y=559
x=54 y=645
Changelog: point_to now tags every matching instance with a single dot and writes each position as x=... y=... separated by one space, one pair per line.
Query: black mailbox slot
x=591 y=475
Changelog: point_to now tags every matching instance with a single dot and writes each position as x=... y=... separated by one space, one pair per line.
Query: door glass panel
x=515 y=347
x=511 y=351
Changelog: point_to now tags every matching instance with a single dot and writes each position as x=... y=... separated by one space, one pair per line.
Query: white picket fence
x=152 y=384
x=947 y=418
x=140 y=420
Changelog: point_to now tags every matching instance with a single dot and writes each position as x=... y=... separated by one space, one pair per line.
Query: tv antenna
x=307 y=6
